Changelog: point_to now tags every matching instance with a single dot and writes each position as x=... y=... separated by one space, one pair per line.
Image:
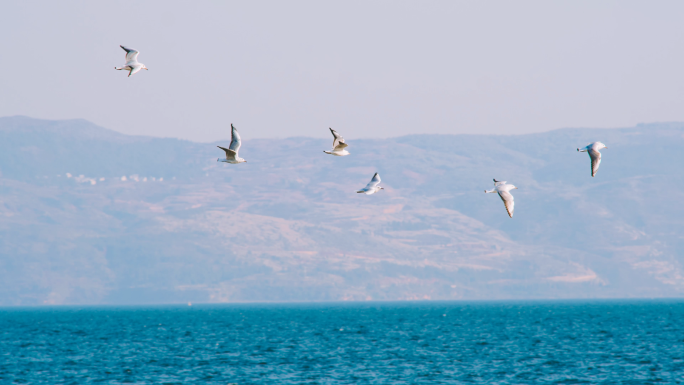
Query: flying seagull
x=338 y=145
x=372 y=187
x=594 y=154
x=504 y=192
x=232 y=151
x=132 y=65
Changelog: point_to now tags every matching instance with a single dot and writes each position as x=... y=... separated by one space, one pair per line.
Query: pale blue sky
x=368 y=69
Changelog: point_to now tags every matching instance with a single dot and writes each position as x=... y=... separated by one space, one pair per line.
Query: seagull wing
x=595 y=161
x=507 y=199
x=338 y=142
x=230 y=154
x=340 y=146
x=499 y=182
x=235 y=141
x=131 y=54
x=374 y=182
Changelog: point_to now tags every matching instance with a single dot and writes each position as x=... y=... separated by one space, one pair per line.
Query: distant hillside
x=93 y=216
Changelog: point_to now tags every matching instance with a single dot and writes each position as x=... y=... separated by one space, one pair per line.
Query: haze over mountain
x=93 y=216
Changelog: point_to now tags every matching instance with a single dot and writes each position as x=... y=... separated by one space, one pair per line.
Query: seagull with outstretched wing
x=338 y=145
x=503 y=190
x=132 y=65
x=373 y=186
x=593 y=150
x=232 y=151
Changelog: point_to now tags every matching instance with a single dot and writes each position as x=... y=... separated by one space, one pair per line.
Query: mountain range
x=92 y=216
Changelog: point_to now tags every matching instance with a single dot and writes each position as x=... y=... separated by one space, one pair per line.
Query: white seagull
x=232 y=151
x=504 y=192
x=594 y=154
x=132 y=65
x=372 y=187
x=338 y=145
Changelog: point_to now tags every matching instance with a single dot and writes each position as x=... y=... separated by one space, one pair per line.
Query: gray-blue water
x=627 y=342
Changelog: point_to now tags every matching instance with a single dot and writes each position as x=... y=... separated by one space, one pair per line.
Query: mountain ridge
x=288 y=226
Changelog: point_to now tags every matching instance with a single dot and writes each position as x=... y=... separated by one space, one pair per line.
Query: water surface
x=624 y=342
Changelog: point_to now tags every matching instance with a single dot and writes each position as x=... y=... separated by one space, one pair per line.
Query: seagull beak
x=516 y=188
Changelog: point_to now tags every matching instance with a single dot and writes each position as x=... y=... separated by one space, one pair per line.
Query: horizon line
x=641 y=124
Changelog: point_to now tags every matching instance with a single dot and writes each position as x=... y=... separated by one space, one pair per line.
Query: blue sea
x=618 y=342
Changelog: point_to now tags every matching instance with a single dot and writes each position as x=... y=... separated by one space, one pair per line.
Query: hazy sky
x=366 y=68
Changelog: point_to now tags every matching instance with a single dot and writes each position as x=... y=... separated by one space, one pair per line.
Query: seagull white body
x=372 y=187
x=338 y=145
x=503 y=190
x=132 y=65
x=232 y=150
x=593 y=150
